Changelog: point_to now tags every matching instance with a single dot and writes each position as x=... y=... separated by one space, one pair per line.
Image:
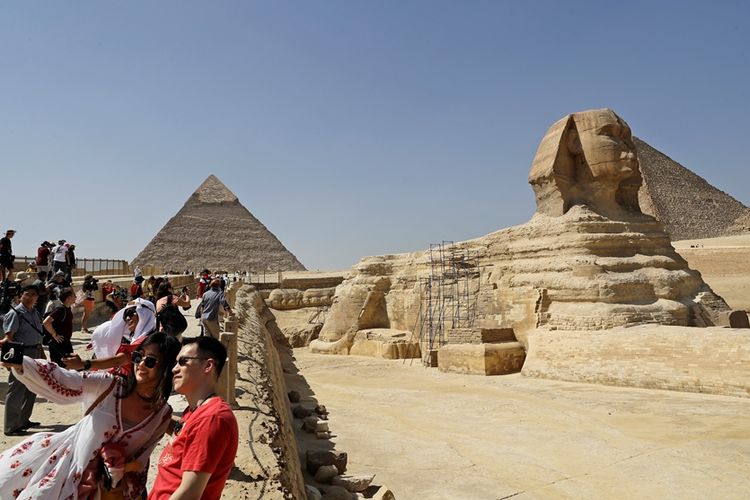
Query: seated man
x=197 y=460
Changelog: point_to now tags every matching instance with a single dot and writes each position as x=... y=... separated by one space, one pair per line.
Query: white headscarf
x=108 y=336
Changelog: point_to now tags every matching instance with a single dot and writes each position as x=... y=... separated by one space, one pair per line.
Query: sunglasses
x=149 y=361
x=183 y=360
x=128 y=314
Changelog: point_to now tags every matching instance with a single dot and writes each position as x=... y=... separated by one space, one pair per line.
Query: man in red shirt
x=200 y=455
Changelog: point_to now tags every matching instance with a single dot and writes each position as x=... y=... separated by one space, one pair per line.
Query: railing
x=97 y=267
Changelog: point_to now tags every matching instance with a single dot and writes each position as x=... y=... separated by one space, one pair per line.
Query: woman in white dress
x=129 y=414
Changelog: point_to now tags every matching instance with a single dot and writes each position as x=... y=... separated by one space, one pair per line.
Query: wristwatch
x=87 y=364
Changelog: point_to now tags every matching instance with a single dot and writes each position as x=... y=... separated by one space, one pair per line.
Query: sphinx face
x=607 y=146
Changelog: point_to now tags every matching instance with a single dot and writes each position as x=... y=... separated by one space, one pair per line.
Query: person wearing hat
x=22 y=324
x=6 y=255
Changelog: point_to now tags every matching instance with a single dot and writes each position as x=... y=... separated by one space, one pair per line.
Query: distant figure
x=71 y=261
x=60 y=257
x=136 y=290
x=42 y=256
x=58 y=326
x=137 y=272
x=213 y=303
x=6 y=255
x=89 y=288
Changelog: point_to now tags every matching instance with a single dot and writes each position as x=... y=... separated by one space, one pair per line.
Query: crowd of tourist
x=139 y=359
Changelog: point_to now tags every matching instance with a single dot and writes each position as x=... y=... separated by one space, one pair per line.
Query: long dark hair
x=168 y=347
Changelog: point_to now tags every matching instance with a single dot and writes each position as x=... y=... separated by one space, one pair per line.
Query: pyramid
x=213 y=230
x=684 y=202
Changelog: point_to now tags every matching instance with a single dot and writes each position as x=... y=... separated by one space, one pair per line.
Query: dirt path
x=430 y=435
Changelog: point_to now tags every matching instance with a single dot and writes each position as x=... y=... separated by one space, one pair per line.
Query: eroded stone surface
x=587 y=260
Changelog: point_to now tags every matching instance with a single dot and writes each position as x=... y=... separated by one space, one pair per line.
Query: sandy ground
x=56 y=418
x=430 y=435
x=724 y=264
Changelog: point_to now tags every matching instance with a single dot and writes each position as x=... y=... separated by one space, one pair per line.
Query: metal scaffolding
x=449 y=295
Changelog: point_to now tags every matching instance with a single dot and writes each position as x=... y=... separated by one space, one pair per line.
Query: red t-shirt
x=207 y=442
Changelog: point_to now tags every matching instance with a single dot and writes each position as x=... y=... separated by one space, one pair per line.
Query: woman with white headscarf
x=114 y=340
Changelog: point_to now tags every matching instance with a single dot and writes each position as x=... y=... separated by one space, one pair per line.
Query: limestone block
x=482 y=359
x=374 y=313
x=326 y=473
x=316 y=297
x=228 y=377
x=301 y=411
x=738 y=319
x=337 y=493
x=300 y=335
x=708 y=360
x=314 y=459
x=354 y=483
x=283 y=299
x=313 y=493
x=384 y=493
x=385 y=343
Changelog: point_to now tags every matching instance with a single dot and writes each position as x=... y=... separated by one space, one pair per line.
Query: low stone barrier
x=711 y=360
x=257 y=343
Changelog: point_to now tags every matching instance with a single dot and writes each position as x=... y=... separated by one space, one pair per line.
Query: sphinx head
x=587 y=158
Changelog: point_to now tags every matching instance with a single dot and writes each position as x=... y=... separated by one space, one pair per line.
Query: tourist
x=42 y=256
x=125 y=419
x=203 y=283
x=149 y=289
x=198 y=458
x=60 y=257
x=6 y=255
x=213 y=303
x=129 y=324
x=54 y=287
x=165 y=295
x=22 y=324
x=58 y=326
x=41 y=284
x=72 y=263
x=136 y=290
x=137 y=272
x=89 y=289
x=31 y=268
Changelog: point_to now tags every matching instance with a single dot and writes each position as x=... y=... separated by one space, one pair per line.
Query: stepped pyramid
x=684 y=202
x=213 y=230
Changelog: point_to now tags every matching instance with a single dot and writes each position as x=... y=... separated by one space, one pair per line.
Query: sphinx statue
x=587 y=158
x=588 y=259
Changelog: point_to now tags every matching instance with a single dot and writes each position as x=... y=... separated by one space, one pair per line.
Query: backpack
x=171 y=319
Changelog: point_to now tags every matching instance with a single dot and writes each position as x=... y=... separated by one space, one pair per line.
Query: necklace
x=201 y=402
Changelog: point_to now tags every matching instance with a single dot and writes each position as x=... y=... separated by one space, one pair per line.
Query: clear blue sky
x=349 y=128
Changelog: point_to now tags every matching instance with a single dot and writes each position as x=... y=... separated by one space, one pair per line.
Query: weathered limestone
x=712 y=360
x=285 y=299
x=353 y=483
x=385 y=343
x=587 y=260
x=482 y=359
x=278 y=462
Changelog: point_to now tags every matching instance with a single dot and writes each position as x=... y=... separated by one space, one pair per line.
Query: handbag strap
x=101 y=397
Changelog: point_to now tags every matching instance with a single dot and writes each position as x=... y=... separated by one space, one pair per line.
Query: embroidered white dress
x=49 y=465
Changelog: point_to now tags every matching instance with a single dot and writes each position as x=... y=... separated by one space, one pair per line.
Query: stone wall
x=259 y=341
x=711 y=360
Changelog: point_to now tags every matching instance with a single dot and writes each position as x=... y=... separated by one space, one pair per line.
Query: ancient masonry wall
x=710 y=360
x=277 y=460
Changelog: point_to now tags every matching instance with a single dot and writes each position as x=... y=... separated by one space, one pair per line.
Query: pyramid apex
x=212 y=190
